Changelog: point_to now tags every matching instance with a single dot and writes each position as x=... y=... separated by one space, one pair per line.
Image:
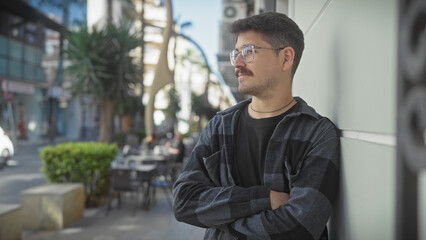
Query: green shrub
x=85 y=162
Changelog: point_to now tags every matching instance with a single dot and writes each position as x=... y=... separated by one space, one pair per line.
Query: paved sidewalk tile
x=120 y=224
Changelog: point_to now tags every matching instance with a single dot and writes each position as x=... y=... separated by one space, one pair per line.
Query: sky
x=205 y=16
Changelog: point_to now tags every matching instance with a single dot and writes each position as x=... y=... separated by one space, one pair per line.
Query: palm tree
x=102 y=67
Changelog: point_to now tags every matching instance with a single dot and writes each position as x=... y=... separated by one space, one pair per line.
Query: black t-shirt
x=251 y=143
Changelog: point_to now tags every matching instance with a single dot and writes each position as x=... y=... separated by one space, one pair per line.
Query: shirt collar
x=303 y=108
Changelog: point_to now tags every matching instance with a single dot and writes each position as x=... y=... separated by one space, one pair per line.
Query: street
x=22 y=172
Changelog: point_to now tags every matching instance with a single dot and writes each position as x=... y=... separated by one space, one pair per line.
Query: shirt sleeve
x=201 y=196
x=312 y=195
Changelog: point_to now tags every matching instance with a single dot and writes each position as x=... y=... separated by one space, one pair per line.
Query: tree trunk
x=107 y=107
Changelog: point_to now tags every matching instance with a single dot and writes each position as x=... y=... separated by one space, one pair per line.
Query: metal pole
x=12 y=125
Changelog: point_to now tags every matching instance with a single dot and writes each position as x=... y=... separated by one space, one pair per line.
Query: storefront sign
x=17 y=87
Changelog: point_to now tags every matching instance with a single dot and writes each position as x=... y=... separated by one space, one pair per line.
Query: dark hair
x=277 y=29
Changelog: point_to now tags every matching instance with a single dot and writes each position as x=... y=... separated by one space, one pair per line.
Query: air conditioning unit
x=233 y=10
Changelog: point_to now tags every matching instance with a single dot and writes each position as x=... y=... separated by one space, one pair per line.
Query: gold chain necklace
x=274 y=110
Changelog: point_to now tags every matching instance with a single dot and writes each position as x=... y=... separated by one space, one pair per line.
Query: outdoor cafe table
x=144 y=159
x=164 y=168
x=145 y=174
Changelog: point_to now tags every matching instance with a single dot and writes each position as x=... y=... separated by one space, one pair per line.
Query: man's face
x=258 y=77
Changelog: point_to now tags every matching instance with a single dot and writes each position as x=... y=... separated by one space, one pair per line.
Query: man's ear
x=287 y=58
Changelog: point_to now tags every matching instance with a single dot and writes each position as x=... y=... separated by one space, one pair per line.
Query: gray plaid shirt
x=302 y=160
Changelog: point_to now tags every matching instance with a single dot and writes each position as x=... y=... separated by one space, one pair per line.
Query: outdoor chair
x=123 y=180
x=164 y=180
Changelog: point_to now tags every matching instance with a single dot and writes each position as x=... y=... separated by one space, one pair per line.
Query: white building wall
x=97 y=12
x=349 y=73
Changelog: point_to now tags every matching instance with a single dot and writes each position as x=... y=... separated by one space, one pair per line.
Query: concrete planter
x=52 y=206
x=10 y=222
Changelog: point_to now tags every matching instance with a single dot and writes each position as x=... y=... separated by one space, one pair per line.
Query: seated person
x=149 y=142
x=177 y=147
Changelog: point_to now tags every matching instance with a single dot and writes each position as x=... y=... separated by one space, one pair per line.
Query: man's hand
x=278 y=199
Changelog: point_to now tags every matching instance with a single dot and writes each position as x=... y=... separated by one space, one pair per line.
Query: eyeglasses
x=247 y=51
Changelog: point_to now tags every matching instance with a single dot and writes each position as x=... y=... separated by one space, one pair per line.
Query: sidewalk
x=156 y=224
x=120 y=224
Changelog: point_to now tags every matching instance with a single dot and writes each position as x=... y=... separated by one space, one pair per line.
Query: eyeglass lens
x=247 y=53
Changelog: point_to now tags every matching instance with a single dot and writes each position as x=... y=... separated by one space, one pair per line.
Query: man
x=266 y=168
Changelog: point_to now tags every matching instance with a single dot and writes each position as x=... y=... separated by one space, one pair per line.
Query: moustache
x=242 y=71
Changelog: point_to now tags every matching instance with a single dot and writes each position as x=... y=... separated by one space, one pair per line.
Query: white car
x=6 y=148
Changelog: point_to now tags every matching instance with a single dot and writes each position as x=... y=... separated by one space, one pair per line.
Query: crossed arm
x=201 y=199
